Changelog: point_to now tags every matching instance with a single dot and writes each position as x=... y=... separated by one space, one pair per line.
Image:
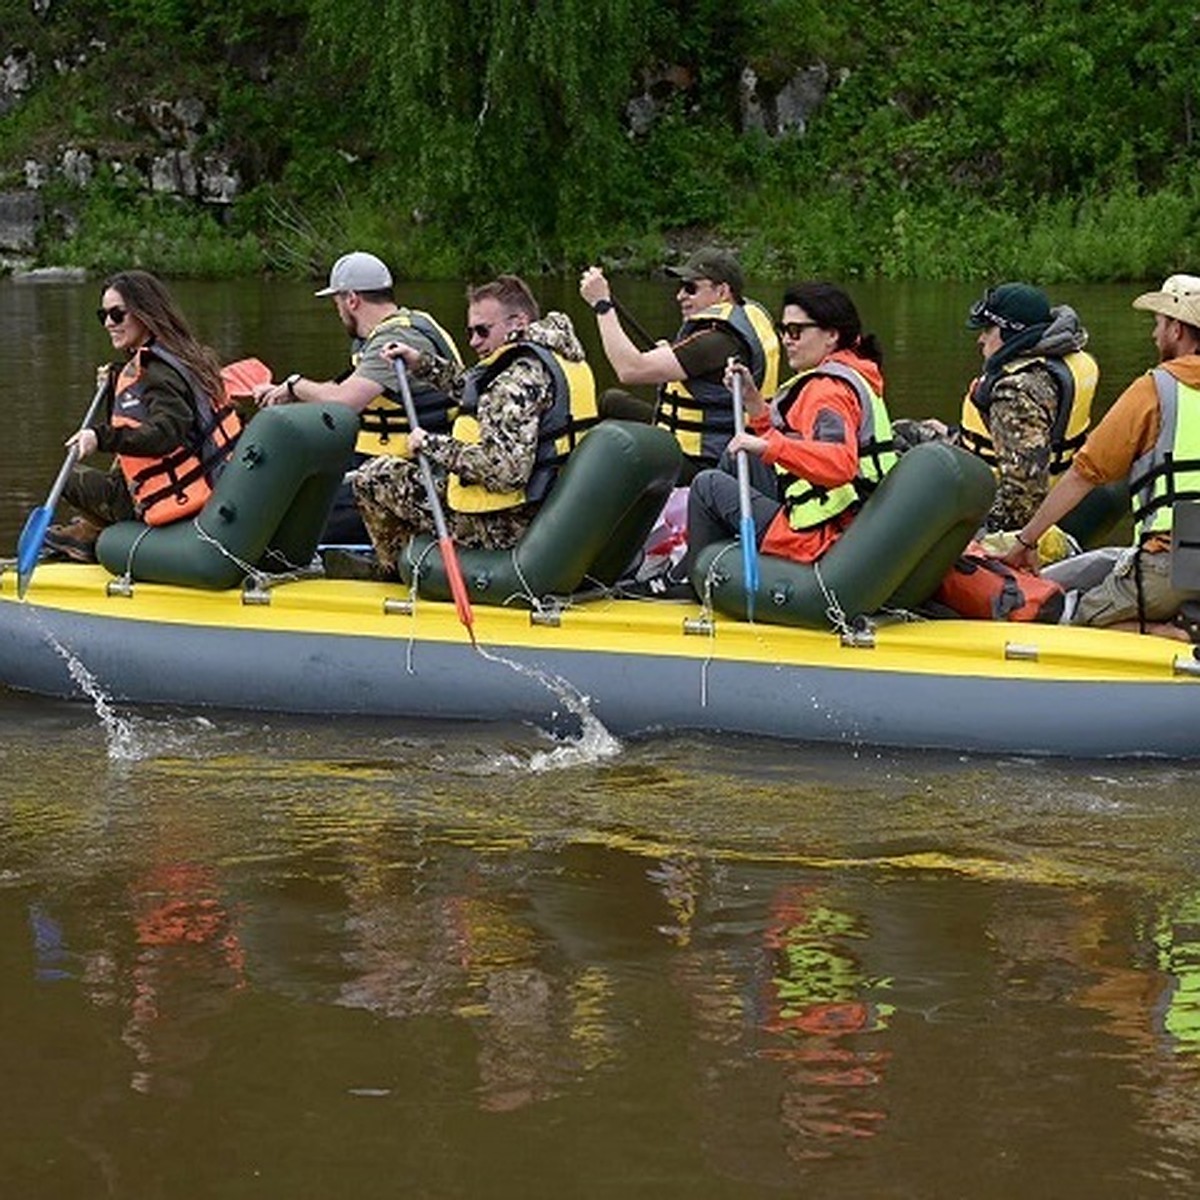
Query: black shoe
x=345 y=564
x=658 y=587
x=1188 y=619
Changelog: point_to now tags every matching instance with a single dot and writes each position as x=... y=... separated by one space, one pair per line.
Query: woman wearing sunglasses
x=166 y=423
x=817 y=449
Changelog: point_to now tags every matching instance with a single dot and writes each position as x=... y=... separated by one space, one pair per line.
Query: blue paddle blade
x=749 y=564
x=29 y=546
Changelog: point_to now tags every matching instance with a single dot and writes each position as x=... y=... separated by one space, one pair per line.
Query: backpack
x=987 y=589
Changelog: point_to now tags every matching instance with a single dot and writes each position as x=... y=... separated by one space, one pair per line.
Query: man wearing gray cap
x=719 y=323
x=364 y=298
x=1151 y=434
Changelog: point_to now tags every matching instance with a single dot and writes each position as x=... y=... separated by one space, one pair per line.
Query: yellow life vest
x=383 y=424
x=1075 y=377
x=560 y=427
x=699 y=412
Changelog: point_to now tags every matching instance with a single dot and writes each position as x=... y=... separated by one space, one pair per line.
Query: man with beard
x=1151 y=434
x=365 y=301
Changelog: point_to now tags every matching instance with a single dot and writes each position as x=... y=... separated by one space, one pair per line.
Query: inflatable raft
x=329 y=646
x=203 y=616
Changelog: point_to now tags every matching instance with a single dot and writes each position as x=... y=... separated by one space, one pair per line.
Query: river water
x=257 y=956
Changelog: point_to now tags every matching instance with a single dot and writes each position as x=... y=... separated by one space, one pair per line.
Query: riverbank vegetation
x=1042 y=139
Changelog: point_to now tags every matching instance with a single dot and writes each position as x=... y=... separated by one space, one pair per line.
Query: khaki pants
x=1110 y=585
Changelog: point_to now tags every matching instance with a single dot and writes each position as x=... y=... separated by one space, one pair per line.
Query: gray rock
x=787 y=109
x=16 y=78
x=36 y=174
x=219 y=182
x=21 y=216
x=51 y=275
x=173 y=173
x=77 y=166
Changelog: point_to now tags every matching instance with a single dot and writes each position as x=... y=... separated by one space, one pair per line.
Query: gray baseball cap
x=357 y=271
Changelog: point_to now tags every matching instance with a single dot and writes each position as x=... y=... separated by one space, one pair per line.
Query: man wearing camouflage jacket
x=496 y=467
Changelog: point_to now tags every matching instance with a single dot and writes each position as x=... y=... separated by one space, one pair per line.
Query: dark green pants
x=101 y=495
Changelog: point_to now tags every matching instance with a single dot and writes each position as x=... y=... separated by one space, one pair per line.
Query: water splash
x=593 y=744
x=122 y=739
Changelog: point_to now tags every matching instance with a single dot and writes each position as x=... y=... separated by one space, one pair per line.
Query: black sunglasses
x=689 y=287
x=794 y=329
x=116 y=314
x=479 y=331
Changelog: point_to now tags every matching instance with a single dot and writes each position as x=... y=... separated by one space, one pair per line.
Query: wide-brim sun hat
x=1178 y=298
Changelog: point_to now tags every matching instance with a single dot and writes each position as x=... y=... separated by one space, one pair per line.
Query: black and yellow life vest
x=1075 y=377
x=383 y=426
x=177 y=484
x=560 y=426
x=699 y=412
x=808 y=504
x=1170 y=470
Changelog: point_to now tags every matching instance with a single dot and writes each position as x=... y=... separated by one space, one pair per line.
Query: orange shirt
x=1130 y=428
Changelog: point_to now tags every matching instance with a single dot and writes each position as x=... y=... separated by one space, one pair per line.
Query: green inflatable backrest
x=894 y=553
x=591 y=526
x=268 y=507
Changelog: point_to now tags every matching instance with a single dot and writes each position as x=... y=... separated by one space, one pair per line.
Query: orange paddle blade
x=458 y=585
x=241 y=377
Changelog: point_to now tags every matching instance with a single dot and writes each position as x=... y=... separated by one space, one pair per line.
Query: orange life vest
x=177 y=484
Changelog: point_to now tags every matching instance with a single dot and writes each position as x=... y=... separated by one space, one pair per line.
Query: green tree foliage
x=1041 y=137
x=499 y=118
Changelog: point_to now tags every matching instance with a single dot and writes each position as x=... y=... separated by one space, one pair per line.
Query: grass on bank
x=1120 y=235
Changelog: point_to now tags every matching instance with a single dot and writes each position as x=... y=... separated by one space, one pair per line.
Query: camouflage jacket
x=1021 y=421
x=509 y=412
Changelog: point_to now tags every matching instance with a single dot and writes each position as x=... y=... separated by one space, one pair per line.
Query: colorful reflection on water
x=264 y=957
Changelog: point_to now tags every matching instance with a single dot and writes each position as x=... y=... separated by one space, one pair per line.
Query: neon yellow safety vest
x=1170 y=470
x=808 y=504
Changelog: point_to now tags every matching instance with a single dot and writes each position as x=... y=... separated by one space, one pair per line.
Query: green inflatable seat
x=593 y=523
x=894 y=554
x=266 y=512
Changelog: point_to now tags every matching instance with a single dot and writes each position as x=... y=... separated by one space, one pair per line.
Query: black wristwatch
x=602 y=306
x=291 y=381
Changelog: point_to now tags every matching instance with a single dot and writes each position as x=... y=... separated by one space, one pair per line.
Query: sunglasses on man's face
x=116 y=315
x=479 y=331
x=689 y=287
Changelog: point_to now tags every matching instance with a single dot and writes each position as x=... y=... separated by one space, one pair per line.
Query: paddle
x=242 y=377
x=458 y=587
x=633 y=323
x=749 y=547
x=33 y=536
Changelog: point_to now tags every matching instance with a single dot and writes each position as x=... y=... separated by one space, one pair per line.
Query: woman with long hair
x=166 y=420
x=817 y=448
